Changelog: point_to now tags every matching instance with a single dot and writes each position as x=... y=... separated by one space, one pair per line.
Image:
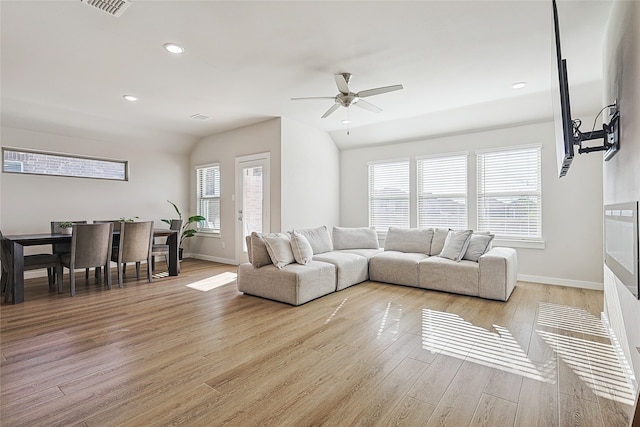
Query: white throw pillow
x=437 y=243
x=456 y=244
x=279 y=248
x=414 y=240
x=479 y=244
x=355 y=238
x=301 y=248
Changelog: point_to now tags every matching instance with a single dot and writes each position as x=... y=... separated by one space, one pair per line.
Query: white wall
x=223 y=148
x=30 y=202
x=622 y=172
x=571 y=206
x=310 y=177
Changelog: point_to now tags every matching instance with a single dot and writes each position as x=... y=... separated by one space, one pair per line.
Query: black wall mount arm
x=609 y=134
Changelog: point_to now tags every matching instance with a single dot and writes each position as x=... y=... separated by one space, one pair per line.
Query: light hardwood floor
x=372 y=354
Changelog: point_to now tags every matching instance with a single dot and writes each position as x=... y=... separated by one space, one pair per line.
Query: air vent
x=199 y=116
x=112 y=7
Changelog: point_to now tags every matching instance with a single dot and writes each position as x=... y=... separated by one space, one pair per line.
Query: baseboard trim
x=561 y=282
x=211 y=258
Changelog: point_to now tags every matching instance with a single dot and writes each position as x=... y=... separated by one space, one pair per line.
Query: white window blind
x=389 y=195
x=208 y=188
x=442 y=192
x=510 y=193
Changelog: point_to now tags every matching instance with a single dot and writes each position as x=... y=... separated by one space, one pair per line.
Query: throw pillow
x=478 y=245
x=456 y=244
x=318 y=238
x=413 y=240
x=247 y=240
x=355 y=238
x=301 y=248
x=279 y=248
x=437 y=243
x=259 y=254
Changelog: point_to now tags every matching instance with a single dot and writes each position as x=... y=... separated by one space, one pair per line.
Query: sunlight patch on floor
x=450 y=334
x=213 y=282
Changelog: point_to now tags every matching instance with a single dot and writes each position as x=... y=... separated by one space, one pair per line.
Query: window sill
x=208 y=234
x=515 y=243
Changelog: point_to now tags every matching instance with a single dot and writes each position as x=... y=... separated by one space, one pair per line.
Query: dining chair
x=136 y=239
x=90 y=248
x=163 y=248
x=31 y=262
x=63 y=247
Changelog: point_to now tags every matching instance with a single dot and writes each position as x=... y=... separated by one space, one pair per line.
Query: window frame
x=464 y=195
x=199 y=198
x=383 y=230
x=123 y=163
x=511 y=239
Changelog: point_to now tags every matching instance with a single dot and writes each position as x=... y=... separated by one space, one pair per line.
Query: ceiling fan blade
x=331 y=110
x=378 y=91
x=313 y=97
x=341 y=82
x=367 y=106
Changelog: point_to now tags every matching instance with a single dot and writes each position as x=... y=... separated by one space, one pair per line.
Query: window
x=442 y=192
x=389 y=195
x=208 y=188
x=509 y=193
x=43 y=163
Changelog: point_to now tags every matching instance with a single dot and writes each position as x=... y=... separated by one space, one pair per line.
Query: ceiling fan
x=346 y=98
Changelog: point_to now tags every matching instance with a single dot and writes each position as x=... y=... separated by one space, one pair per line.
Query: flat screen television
x=561 y=106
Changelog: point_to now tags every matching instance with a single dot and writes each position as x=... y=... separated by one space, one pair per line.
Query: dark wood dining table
x=17 y=242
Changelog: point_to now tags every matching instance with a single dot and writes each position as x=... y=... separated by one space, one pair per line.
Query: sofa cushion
x=355 y=238
x=443 y=274
x=437 y=243
x=301 y=248
x=395 y=267
x=279 y=249
x=259 y=254
x=455 y=245
x=414 y=240
x=318 y=238
x=350 y=268
x=367 y=253
x=478 y=245
x=293 y=284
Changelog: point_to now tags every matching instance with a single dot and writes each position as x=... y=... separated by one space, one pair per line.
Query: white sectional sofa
x=303 y=265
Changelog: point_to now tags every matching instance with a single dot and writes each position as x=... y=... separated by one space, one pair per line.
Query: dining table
x=17 y=243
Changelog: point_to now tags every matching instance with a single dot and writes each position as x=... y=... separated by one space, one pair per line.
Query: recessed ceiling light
x=130 y=98
x=518 y=85
x=346 y=122
x=173 y=48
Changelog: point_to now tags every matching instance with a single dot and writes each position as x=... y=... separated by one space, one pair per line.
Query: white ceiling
x=66 y=65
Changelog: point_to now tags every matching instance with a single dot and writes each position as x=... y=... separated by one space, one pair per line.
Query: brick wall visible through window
x=43 y=163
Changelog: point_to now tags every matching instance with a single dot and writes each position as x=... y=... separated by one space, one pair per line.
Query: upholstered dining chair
x=135 y=243
x=90 y=248
x=31 y=262
x=163 y=248
x=65 y=247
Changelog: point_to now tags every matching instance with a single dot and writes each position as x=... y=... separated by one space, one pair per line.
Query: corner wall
x=310 y=177
x=571 y=206
x=621 y=174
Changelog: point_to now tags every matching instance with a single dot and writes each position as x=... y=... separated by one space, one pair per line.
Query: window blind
x=509 y=193
x=442 y=192
x=208 y=189
x=389 y=191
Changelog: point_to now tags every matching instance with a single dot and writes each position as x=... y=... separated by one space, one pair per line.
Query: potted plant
x=66 y=227
x=187 y=226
